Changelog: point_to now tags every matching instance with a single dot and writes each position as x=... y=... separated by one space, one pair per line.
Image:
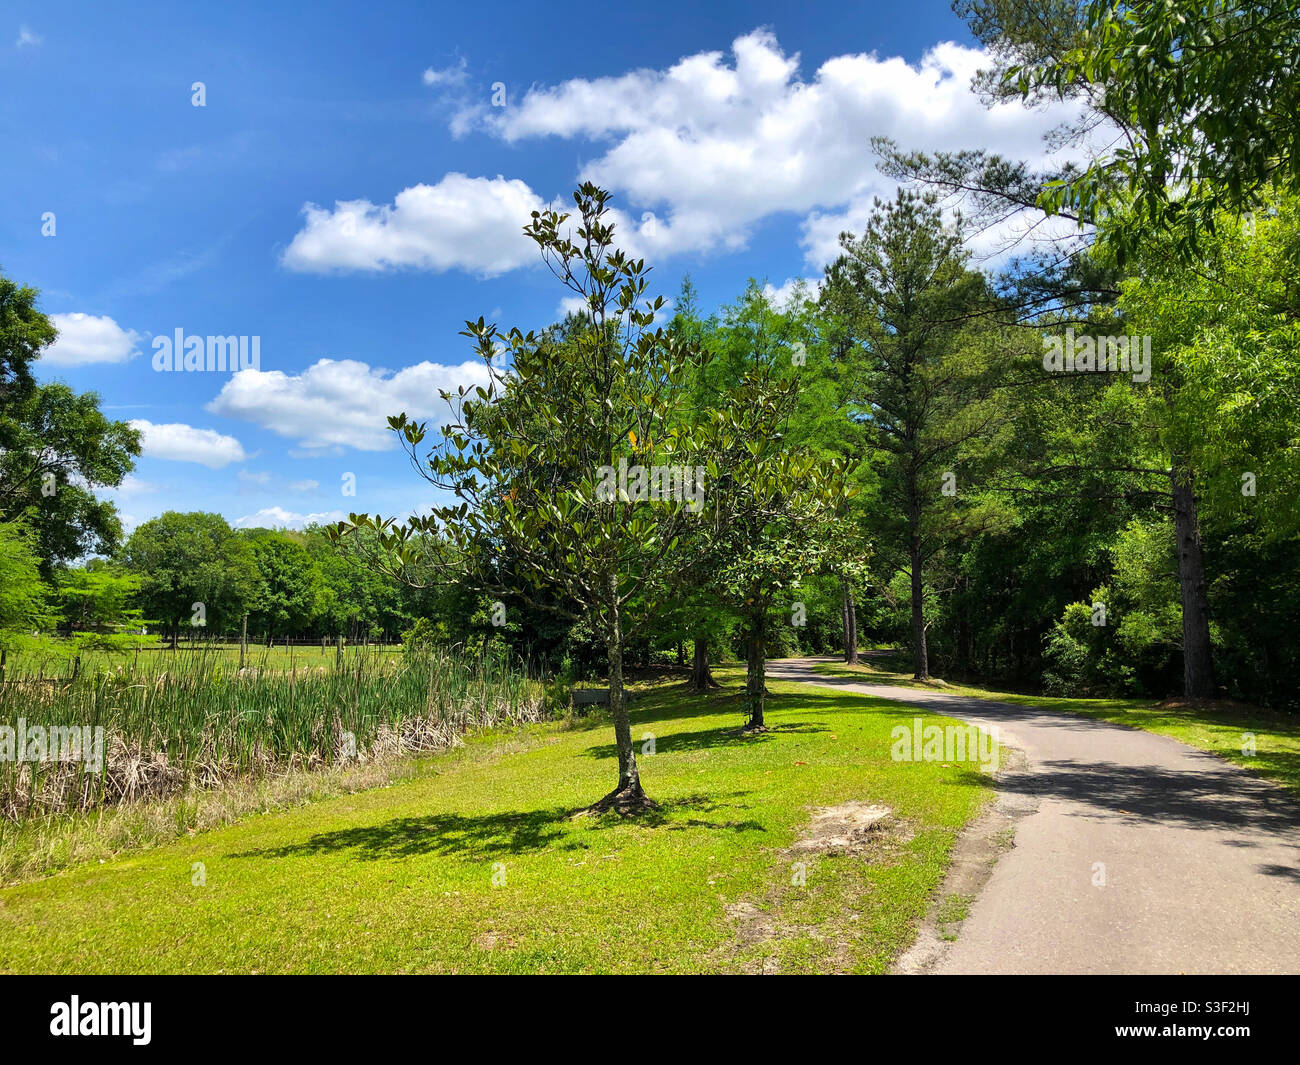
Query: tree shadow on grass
x=724 y=736
x=658 y=704
x=490 y=835
x=680 y=703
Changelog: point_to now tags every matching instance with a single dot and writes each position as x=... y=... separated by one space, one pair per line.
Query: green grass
x=401 y=879
x=1219 y=728
x=53 y=656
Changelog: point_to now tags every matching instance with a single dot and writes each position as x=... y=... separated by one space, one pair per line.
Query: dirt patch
x=849 y=828
x=752 y=924
x=488 y=941
x=865 y=832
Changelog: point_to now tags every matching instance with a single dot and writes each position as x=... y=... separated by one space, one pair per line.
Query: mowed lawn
x=480 y=866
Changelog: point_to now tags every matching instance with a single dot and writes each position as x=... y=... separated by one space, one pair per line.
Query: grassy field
x=477 y=863
x=51 y=657
x=1219 y=728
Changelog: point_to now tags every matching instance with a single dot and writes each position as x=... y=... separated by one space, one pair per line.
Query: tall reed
x=175 y=722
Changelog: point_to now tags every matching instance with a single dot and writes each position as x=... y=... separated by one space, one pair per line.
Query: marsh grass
x=181 y=725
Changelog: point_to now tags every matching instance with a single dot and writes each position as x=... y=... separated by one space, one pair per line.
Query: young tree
x=536 y=458
x=777 y=492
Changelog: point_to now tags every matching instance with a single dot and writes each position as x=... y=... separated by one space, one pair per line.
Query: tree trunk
x=851 y=646
x=701 y=676
x=921 y=656
x=681 y=653
x=627 y=798
x=1198 y=663
x=755 y=689
x=844 y=618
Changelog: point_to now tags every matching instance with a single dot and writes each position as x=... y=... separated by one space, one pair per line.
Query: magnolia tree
x=580 y=462
x=774 y=504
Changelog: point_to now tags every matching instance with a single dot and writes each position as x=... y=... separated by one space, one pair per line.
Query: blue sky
x=350 y=192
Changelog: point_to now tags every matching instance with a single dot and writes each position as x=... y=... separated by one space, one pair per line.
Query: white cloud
x=259 y=478
x=448 y=76
x=85 y=339
x=27 y=38
x=304 y=486
x=342 y=402
x=279 y=518
x=781 y=295
x=184 y=443
x=699 y=154
x=473 y=224
x=720 y=146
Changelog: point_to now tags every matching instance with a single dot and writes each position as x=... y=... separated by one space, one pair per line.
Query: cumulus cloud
x=85 y=338
x=342 y=402
x=279 y=518
x=699 y=154
x=184 y=443
x=472 y=224
x=27 y=38
x=719 y=145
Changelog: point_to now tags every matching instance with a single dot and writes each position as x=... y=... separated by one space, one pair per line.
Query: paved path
x=1202 y=860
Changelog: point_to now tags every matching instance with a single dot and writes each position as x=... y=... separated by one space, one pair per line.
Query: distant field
x=55 y=658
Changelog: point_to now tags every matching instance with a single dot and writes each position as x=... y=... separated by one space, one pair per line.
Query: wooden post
x=243 y=643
